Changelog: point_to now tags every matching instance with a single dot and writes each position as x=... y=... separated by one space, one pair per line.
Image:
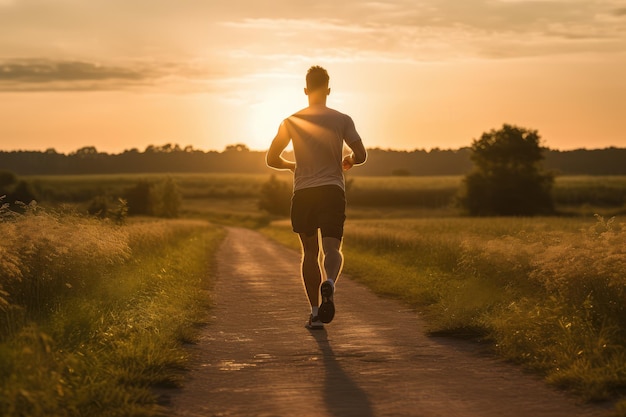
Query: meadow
x=93 y=315
x=234 y=197
x=545 y=292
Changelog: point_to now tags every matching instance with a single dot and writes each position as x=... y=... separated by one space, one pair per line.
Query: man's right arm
x=274 y=158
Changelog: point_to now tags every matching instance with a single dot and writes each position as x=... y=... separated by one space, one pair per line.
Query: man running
x=318 y=203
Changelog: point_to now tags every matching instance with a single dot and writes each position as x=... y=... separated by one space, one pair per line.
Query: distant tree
x=86 y=151
x=239 y=147
x=508 y=177
x=275 y=197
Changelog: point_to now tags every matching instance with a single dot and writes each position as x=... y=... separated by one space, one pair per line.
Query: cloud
x=103 y=44
x=43 y=71
x=620 y=12
x=436 y=30
x=61 y=75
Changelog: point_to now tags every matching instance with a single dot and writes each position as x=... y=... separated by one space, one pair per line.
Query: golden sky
x=413 y=74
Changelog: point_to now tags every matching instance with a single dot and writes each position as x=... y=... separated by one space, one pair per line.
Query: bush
x=275 y=197
x=7 y=178
x=166 y=199
x=139 y=199
x=154 y=199
x=16 y=191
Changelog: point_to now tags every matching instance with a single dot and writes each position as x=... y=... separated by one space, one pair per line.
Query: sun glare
x=275 y=102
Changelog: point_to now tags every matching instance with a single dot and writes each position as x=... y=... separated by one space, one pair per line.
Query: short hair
x=316 y=78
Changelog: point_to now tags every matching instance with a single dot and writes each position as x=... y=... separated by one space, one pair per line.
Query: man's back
x=318 y=134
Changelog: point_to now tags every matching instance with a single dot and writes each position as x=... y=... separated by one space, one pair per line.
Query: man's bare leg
x=333 y=258
x=333 y=261
x=311 y=272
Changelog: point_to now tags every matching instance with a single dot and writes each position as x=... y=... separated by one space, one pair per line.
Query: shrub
x=161 y=199
x=166 y=198
x=275 y=197
x=139 y=199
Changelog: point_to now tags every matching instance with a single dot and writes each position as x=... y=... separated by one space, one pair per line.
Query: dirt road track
x=257 y=359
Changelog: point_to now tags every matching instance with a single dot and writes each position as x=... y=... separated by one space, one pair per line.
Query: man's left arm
x=357 y=157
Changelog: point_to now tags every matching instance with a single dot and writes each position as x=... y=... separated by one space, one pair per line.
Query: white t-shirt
x=318 y=134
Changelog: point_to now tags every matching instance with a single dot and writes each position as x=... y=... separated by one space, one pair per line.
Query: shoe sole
x=326 y=311
x=309 y=325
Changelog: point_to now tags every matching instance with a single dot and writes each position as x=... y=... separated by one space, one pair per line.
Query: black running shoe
x=314 y=323
x=326 y=311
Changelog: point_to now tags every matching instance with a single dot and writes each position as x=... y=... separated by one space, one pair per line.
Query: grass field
x=94 y=316
x=546 y=292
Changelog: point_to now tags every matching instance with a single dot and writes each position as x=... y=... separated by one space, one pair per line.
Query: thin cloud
x=45 y=71
x=52 y=75
x=620 y=12
x=441 y=30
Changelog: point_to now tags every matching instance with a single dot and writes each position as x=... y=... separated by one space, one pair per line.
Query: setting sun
x=276 y=99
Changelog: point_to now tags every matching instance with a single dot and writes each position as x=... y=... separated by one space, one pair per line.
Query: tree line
x=239 y=159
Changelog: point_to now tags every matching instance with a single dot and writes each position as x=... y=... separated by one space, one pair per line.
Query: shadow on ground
x=342 y=395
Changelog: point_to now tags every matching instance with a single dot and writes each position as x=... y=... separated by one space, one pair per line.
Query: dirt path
x=257 y=359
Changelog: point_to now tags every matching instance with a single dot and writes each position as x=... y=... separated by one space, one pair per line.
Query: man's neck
x=317 y=102
x=317 y=98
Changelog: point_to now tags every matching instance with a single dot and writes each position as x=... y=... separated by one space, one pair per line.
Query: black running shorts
x=322 y=208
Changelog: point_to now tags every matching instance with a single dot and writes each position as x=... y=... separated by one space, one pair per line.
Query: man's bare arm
x=274 y=158
x=357 y=157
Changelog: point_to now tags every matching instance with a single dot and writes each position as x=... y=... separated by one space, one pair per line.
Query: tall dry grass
x=45 y=255
x=93 y=315
x=548 y=293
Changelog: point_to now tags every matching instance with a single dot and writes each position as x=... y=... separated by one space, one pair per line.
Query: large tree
x=508 y=176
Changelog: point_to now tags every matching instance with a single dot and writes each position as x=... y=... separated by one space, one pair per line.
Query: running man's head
x=316 y=78
x=317 y=85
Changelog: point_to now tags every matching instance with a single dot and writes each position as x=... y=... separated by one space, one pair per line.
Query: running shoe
x=326 y=311
x=314 y=323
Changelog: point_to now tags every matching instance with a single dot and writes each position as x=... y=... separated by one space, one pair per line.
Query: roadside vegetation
x=84 y=298
x=548 y=293
x=93 y=315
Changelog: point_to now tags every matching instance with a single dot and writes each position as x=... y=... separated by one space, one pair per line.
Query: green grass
x=97 y=340
x=547 y=293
